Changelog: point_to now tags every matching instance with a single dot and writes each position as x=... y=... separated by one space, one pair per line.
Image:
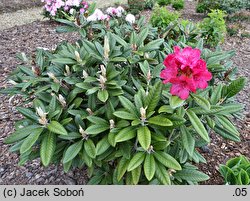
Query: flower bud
x=103 y=70
x=68 y=73
x=62 y=100
x=149 y=77
x=36 y=70
x=146 y=55
x=106 y=48
x=143 y=113
x=111 y=123
x=84 y=74
x=12 y=82
x=89 y=111
x=42 y=120
x=77 y=44
x=102 y=82
x=52 y=76
x=171 y=171
x=134 y=47
x=78 y=58
x=150 y=149
x=83 y=133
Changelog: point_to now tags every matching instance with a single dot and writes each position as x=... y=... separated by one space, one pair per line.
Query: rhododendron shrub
x=101 y=104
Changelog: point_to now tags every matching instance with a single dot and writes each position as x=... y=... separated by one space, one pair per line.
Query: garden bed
x=42 y=34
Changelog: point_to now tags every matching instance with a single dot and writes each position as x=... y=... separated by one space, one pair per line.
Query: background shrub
x=164 y=2
x=230 y=6
x=178 y=4
x=214 y=28
x=162 y=17
x=136 y=6
x=150 y=4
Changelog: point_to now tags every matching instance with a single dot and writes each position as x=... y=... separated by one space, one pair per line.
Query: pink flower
x=82 y=10
x=186 y=71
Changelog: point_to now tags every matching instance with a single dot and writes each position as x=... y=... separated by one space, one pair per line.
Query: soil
x=27 y=38
x=7 y=6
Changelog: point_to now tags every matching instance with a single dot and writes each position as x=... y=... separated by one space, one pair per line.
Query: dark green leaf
x=149 y=166
x=56 y=127
x=47 y=149
x=72 y=151
x=198 y=126
x=137 y=160
x=144 y=137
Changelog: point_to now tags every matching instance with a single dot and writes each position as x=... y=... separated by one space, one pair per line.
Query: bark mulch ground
x=28 y=37
x=14 y=5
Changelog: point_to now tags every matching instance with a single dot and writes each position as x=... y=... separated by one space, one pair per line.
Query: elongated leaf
x=27 y=113
x=90 y=148
x=198 y=126
x=230 y=177
x=153 y=45
x=87 y=160
x=160 y=121
x=120 y=40
x=63 y=61
x=216 y=95
x=38 y=103
x=142 y=36
x=167 y=160
x=67 y=166
x=102 y=146
x=136 y=161
x=149 y=166
x=72 y=151
x=226 y=134
x=175 y=102
x=118 y=59
x=243 y=177
x=20 y=134
x=125 y=134
x=128 y=105
x=200 y=44
x=227 y=124
x=136 y=173
x=144 y=137
x=95 y=180
x=122 y=168
x=187 y=140
x=202 y=102
x=125 y=115
x=235 y=87
x=96 y=129
x=166 y=108
x=230 y=108
x=30 y=140
x=153 y=97
x=162 y=174
x=47 y=149
x=191 y=175
x=65 y=29
x=103 y=95
x=219 y=57
x=56 y=127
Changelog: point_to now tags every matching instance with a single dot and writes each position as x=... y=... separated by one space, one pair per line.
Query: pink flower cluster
x=116 y=12
x=186 y=71
x=52 y=6
x=111 y=12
